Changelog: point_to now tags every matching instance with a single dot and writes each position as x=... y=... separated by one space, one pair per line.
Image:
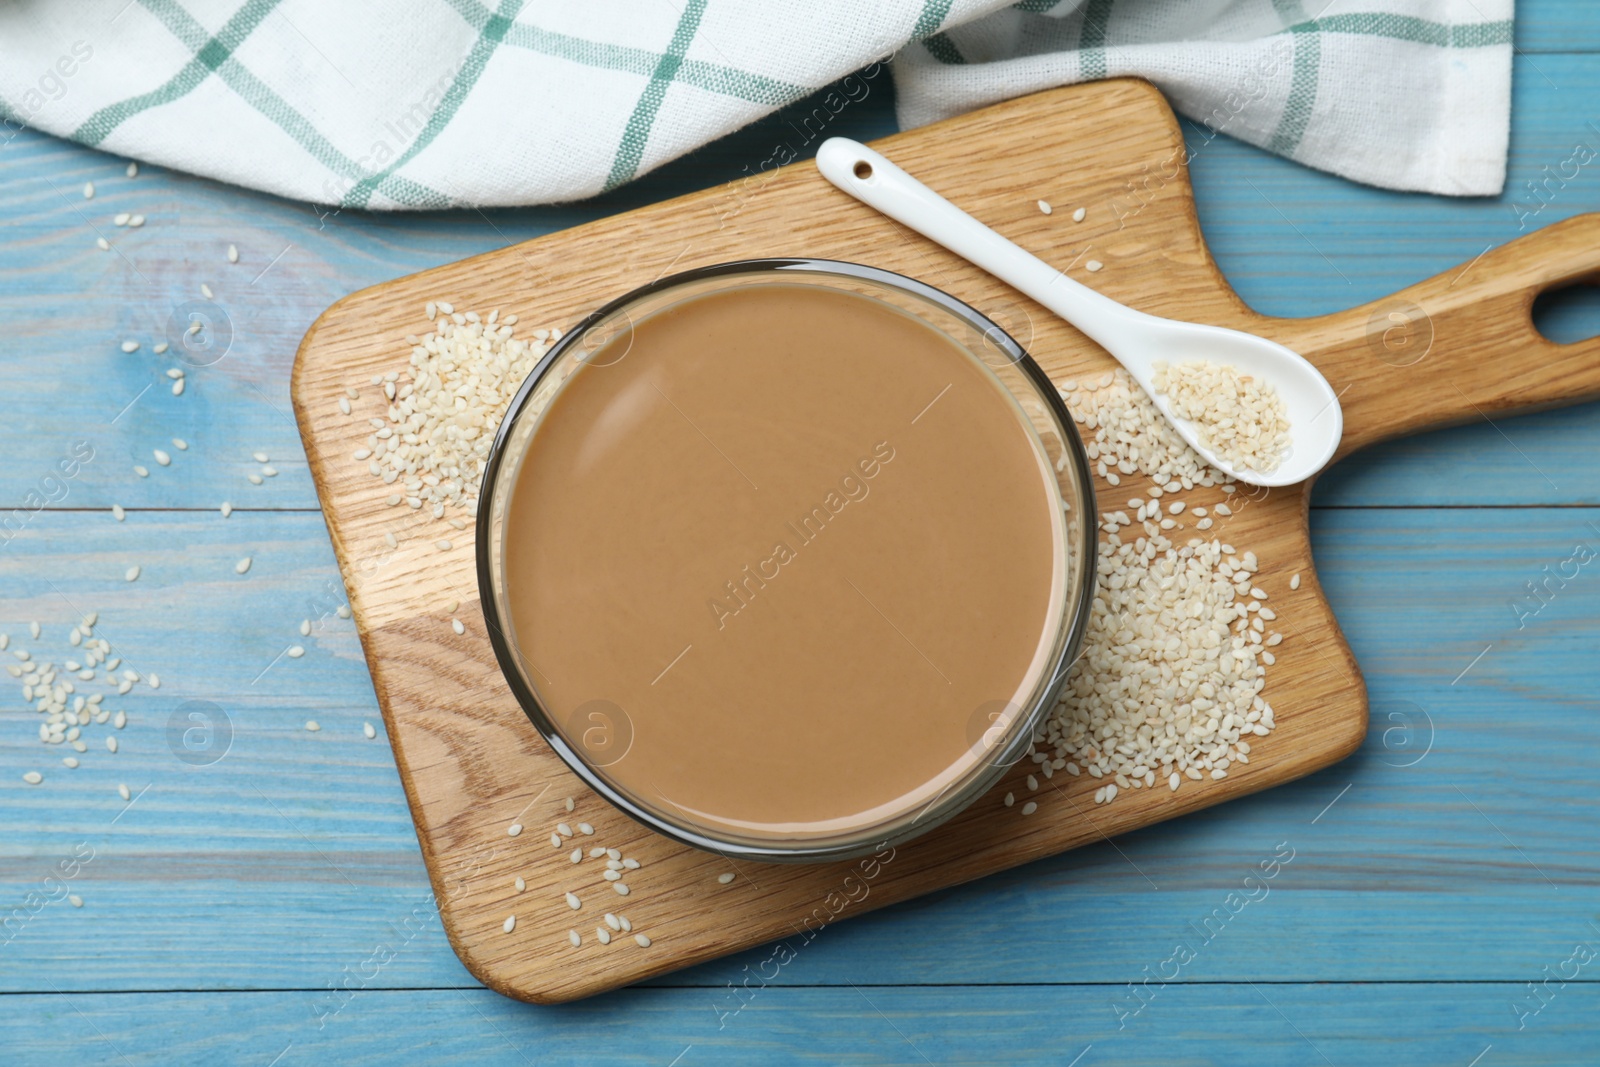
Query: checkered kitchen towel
x=429 y=103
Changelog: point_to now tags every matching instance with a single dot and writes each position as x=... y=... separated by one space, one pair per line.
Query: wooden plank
x=1472 y=322
x=162 y=930
x=63 y=302
x=1243 y=1024
x=1297 y=242
x=471 y=763
x=66 y=304
x=1555 y=26
x=304 y=840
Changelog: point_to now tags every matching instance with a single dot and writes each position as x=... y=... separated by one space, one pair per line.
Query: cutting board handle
x=1461 y=346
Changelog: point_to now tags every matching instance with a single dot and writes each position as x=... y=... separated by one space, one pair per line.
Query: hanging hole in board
x=1569 y=314
x=863 y=170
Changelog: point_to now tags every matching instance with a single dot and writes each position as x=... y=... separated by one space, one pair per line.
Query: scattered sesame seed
x=130 y=346
x=442 y=546
x=455 y=624
x=71 y=762
x=133 y=170
x=1093 y=265
x=1044 y=206
x=122 y=791
x=603 y=934
x=585 y=829
x=226 y=509
x=313 y=725
x=620 y=887
x=177 y=387
x=555 y=839
x=120 y=218
x=163 y=458
x=205 y=291
x=1294 y=583
x=295 y=651
x=570 y=804
x=242 y=566
x=33 y=777
x=133 y=573
x=577 y=854
x=75 y=900
x=102 y=244
x=343 y=611
x=643 y=941
x=1077 y=216
x=573 y=902
x=370 y=730
x=520 y=884
x=514 y=829
x=88 y=190
x=725 y=878
x=572 y=935
x=305 y=627
x=613 y=922
x=1029 y=808
x=563 y=829
x=233 y=253
x=160 y=348
x=135 y=221
x=269 y=472
x=510 y=924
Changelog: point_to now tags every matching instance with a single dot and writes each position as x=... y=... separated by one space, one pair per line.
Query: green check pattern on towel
x=433 y=103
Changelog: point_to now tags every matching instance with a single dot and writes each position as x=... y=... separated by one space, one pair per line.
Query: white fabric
x=428 y=103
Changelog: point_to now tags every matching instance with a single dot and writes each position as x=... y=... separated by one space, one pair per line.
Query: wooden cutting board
x=1458 y=347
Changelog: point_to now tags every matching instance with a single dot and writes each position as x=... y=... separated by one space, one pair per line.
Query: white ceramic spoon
x=1134 y=339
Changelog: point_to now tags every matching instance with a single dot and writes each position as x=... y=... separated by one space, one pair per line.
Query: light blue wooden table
x=270 y=906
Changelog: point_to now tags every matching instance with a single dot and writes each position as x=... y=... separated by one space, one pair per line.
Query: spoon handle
x=871 y=178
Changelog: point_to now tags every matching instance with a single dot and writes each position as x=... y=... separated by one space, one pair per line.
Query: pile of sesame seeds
x=1170 y=681
x=53 y=691
x=1125 y=434
x=433 y=439
x=1239 y=417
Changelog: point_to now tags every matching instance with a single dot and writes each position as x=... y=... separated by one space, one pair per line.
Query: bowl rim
x=1024 y=728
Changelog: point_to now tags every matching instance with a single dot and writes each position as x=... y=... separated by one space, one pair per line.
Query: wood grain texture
x=286 y=863
x=471 y=763
x=1405 y=907
x=1291 y=241
x=1259 y=1024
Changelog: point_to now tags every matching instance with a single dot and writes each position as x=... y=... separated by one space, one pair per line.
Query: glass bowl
x=593 y=736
